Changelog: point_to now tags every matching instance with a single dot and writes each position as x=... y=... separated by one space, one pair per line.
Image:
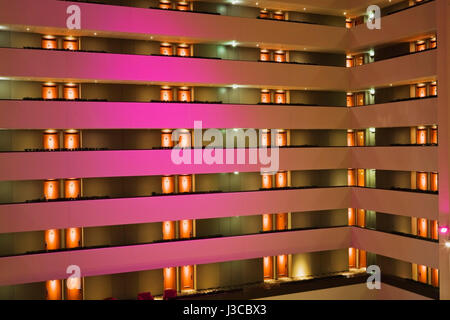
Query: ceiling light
x=236 y=172
x=372 y=91
x=234 y=43
x=444 y=230
x=447 y=244
x=235 y=86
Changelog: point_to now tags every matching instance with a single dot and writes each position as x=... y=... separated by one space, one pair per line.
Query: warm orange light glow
x=70 y=44
x=264 y=55
x=184 y=94
x=170 y=278
x=280 y=56
x=434 y=135
x=280 y=97
x=282 y=221
x=349 y=61
x=166 y=139
x=281 y=138
x=168 y=184
x=351 y=257
x=434 y=277
x=421 y=45
x=422 y=228
x=361 y=219
x=361 y=141
x=53 y=289
x=49 y=42
x=72 y=188
x=433 y=43
x=187 y=277
x=71 y=91
x=350 y=100
x=166 y=49
x=51 y=189
x=362 y=257
x=434 y=181
x=166 y=94
x=263 y=14
x=267 y=222
x=350 y=138
x=351 y=216
x=434 y=230
x=265 y=96
x=74 y=290
x=71 y=140
x=351 y=177
x=348 y=23
x=433 y=89
x=266 y=179
x=278 y=15
x=168 y=228
x=422 y=273
x=50 y=140
x=49 y=91
x=281 y=179
x=421 y=135
x=183 y=6
x=184 y=139
x=73 y=238
x=360 y=99
x=268 y=267
x=164 y=4
x=186 y=229
x=421 y=90
x=359 y=60
x=265 y=138
x=422 y=181
x=282 y=266
x=183 y=50
x=52 y=239
x=184 y=183
x=361 y=177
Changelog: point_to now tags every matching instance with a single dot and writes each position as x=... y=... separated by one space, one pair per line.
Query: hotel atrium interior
x=350 y=99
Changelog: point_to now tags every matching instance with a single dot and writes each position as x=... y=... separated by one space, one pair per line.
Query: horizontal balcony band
x=405 y=158
x=92 y=262
x=401 y=26
x=144 y=69
x=140 y=23
x=140 y=69
x=23 y=217
x=133 y=258
x=401 y=70
x=26 y=114
x=410 y=204
x=123 y=163
x=397 y=247
x=406 y=113
x=105 y=212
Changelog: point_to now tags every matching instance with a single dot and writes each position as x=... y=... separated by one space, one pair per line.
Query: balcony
x=143 y=69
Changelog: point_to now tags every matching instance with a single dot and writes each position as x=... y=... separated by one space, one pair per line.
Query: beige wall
x=316 y=219
x=319 y=263
x=321 y=138
x=227 y=274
